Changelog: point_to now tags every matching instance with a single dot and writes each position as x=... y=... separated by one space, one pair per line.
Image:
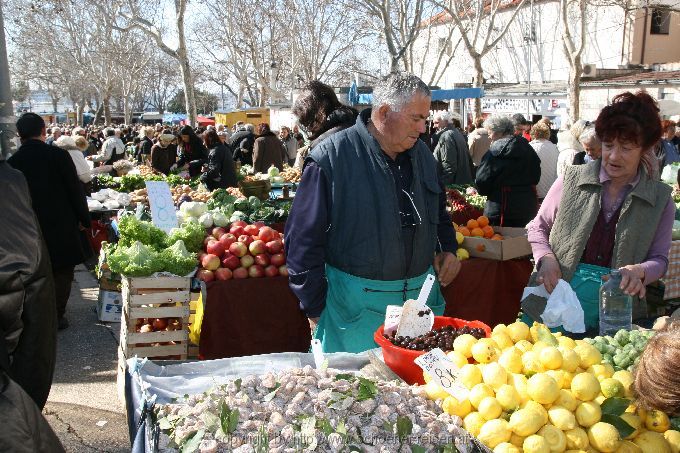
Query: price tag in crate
x=392 y=318
x=443 y=372
x=162 y=206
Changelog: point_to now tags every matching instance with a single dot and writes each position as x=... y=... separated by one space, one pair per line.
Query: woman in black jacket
x=192 y=152
x=219 y=172
x=507 y=175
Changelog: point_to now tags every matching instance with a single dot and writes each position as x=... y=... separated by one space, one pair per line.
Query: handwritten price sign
x=162 y=206
x=443 y=372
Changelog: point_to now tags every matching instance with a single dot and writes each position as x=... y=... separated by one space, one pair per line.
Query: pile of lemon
x=530 y=395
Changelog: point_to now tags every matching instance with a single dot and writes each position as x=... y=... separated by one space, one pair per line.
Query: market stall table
x=259 y=316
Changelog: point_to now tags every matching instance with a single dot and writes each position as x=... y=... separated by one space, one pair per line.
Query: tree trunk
x=98 y=113
x=107 y=109
x=189 y=96
x=80 y=118
x=127 y=114
x=574 y=90
x=54 y=104
x=478 y=82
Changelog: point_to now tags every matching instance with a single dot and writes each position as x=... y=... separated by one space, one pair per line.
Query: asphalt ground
x=83 y=407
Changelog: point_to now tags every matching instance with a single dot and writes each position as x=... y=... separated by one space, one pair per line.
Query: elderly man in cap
x=369 y=221
x=452 y=153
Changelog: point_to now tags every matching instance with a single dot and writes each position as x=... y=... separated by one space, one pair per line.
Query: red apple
x=208 y=239
x=257 y=247
x=283 y=270
x=271 y=271
x=247 y=261
x=238 y=249
x=230 y=261
x=262 y=259
x=218 y=231
x=210 y=262
x=267 y=234
x=205 y=275
x=278 y=259
x=215 y=248
x=256 y=271
x=201 y=255
x=240 y=223
x=160 y=323
x=223 y=274
x=244 y=238
x=240 y=273
x=227 y=239
x=274 y=246
x=251 y=230
x=236 y=230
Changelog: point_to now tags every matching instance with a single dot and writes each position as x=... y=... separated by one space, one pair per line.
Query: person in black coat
x=242 y=143
x=145 y=144
x=58 y=201
x=192 y=152
x=219 y=172
x=507 y=175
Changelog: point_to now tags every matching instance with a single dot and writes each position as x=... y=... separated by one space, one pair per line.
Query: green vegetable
x=177 y=260
x=220 y=198
x=132 y=230
x=254 y=201
x=138 y=260
x=191 y=234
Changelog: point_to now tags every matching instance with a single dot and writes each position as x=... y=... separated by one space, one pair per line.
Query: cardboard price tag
x=162 y=205
x=443 y=372
x=392 y=318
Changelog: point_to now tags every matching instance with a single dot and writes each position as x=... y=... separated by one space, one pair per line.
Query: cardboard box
x=514 y=245
x=109 y=306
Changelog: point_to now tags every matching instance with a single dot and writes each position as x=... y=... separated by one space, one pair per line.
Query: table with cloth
x=260 y=316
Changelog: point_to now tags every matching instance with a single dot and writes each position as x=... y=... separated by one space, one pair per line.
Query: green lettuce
x=138 y=260
x=132 y=230
x=191 y=234
x=177 y=260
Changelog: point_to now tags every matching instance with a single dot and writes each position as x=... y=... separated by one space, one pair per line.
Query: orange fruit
x=472 y=224
x=488 y=231
x=464 y=231
x=497 y=237
x=477 y=232
x=483 y=221
x=480 y=247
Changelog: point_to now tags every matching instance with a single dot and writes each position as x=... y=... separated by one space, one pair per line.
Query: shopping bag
x=562 y=307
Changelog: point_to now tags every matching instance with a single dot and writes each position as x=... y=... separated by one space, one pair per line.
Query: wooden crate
x=160 y=297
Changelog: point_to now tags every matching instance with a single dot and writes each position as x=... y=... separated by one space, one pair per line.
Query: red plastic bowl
x=400 y=360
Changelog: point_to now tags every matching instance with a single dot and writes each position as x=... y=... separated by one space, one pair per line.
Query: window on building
x=661 y=21
x=445 y=45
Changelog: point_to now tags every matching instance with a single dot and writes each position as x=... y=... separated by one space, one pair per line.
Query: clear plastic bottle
x=616 y=307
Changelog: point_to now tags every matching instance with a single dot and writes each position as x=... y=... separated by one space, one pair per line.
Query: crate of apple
x=242 y=251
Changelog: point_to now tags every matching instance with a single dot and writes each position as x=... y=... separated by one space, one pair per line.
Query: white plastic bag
x=563 y=307
x=670 y=173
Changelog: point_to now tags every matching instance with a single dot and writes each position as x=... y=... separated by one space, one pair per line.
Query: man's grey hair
x=76 y=131
x=589 y=136
x=397 y=89
x=499 y=123
x=443 y=116
x=249 y=127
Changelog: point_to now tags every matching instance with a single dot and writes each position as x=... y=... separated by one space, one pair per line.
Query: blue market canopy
x=174 y=117
x=439 y=95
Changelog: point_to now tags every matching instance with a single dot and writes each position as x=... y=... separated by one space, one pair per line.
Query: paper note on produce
x=392 y=318
x=162 y=206
x=443 y=372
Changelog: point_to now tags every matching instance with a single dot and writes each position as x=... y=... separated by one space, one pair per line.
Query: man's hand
x=549 y=272
x=447 y=266
x=313 y=323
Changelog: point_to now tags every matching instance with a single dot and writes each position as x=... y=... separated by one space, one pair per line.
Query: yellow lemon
x=470 y=375
x=577 y=439
x=533 y=331
x=462 y=254
x=494 y=432
x=494 y=375
x=559 y=376
x=511 y=360
x=543 y=388
x=463 y=344
x=555 y=438
x=551 y=358
x=426 y=377
x=533 y=405
x=457 y=358
x=508 y=397
x=625 y=377
x=599 y=399
x=657 y=421
x=503 y=340
x=588 y=413
x=604 y=437
x=500 y=328
x=535 y=444
x=562 y=418
x=539 y=346
x=627 y=446
x=525 y=422
x=673 y=438
x=634 y=421
x=519 y=381
x=434 y=391
x=452 y=406
x=490 y=408
x=517 y=440
x=531 y=363
x=609 y=369
x=567 y=400
x=588 y=355
x=570 y=360
x=478 y=393
x=585 y=386
x=598 y=370
x=506 y=447
x=518 y=331
x=484 y=352
x=612 y=388
x=566 y=342
x=473 y=422
x=652 y=442
x=459 y=237
x=524 y=346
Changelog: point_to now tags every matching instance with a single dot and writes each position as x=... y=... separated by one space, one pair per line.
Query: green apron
x=586 y=284
x=355 y=308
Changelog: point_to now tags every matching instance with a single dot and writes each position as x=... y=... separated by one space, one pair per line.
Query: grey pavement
x=83 y=407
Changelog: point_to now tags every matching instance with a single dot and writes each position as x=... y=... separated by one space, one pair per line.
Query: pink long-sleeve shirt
x=655 y=264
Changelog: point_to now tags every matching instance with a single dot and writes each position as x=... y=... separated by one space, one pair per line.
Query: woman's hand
x=549 y=272
x=632 y=280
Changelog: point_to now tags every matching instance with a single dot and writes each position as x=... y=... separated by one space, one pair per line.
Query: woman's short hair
x=657 y=381
x=589 y=135
x=540 y=130
x=81 y=142
x=316 y=101
x=263 y=128
x=499 y=123
x=211 y=138
x=667 y=124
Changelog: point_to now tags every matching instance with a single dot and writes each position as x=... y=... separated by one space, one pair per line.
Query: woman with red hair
x=612 y=213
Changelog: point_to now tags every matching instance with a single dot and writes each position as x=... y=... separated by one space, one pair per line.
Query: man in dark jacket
x=58 y=201
x=242 y=143
x=452 y=153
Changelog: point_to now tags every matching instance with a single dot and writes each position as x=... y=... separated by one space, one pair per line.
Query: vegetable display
x=623 y=350
x=138 y=260
x=191 y=234
x=132 y=230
